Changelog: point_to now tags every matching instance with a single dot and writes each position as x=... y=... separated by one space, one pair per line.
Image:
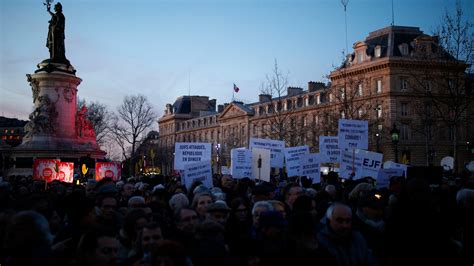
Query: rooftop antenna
x=344 y=3
x=393 y=16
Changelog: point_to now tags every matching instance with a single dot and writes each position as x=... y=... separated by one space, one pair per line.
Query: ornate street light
x=395 y=134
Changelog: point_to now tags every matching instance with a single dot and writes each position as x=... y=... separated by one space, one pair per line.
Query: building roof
x=11 y=122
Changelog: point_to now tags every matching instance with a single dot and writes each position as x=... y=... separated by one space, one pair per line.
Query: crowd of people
x=288 y=221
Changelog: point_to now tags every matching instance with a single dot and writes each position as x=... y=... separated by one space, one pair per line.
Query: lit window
x=343 y=114
x=379 y=111
x=360 y=112
x=330 y=97
x=318 y=99
x=342 y=93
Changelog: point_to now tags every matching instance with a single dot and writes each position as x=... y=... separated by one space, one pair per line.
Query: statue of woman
x=55 y=42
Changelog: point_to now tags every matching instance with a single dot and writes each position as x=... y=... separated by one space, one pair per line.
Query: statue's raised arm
x=55 y=41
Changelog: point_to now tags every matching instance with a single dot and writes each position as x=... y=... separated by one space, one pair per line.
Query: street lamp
x=377 y=136
x=395 y=134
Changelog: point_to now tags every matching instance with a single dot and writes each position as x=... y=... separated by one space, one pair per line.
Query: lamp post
x=377 y=139
x=395 y=134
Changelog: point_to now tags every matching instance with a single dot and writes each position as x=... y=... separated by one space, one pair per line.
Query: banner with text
x=293 y=157
x=261 y=164
x=66 y=172
x=241 y=163
x=353 y=134
x=366 y=163
x=200 y=171
x=310 y=167
x=329 y=151
x=275 y=147
x=383 y=178
x=45 y=169
x=108 y=169
x=191 y=152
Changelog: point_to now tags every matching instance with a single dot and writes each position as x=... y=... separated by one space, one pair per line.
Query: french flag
x=236 y=89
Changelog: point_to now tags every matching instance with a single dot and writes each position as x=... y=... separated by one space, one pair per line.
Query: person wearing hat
x=218 y=212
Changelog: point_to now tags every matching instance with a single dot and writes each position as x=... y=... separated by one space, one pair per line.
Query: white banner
x=293 y=156
x=241 y=163
x=353 y=134
x=310 y=167
x=393 y=165
x=329 y=151
x=275 y=147
x=191 y=152
x=383 y=178
x=366 y=163
x=200 y=171
x=261 y=164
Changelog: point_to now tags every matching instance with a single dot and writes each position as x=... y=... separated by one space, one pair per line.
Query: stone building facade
x=396 y=76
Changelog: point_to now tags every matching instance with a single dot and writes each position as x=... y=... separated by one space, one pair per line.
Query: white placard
x=353 y=134
x=261 y=164
x=366 y=163
x=383 y=178
x=241 y=163
x=329 y=151
x=293 y=156
x=191 y=152
x=225 y=170
x=275 y=147
x=201 y=171
x=393 y=165
x=310 y=167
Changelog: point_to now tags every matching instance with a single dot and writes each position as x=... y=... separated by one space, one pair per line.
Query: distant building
x=12 y=130
x=396 y=76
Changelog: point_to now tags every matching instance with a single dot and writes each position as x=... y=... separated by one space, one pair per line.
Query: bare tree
x=279 y=113
x=135 y=116
x=444 y=62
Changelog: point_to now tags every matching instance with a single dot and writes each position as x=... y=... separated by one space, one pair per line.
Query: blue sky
x=168 y=48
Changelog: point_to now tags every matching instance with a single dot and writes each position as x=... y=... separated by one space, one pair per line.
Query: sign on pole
x=329 y=151
x=383 y=178
x=353 y=134
x=361 y=163
x=310 y=167
x=275 y=147
x=45 y=169
x=191 y=152
x=108 y=169
x=200 y=171
x=241 y=163
x=66 y=172
x=261 y=164
x=293 y=156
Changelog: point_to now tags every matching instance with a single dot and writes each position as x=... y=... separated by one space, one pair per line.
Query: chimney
x=292 y=91
x=220 y=108
x=315 y=86
x=212 y=105
x=264 y=98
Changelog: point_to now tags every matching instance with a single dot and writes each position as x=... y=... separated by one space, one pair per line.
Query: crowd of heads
x=158 y=221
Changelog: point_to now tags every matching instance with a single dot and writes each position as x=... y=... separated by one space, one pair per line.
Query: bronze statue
x=55 y=41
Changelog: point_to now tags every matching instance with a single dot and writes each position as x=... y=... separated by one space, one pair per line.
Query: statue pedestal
x=54 y=130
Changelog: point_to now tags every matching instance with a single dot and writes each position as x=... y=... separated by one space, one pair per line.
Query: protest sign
x=261 y=164
x=353 y=134
x=225 y=170
x=361 y=163
x=293 y=156
x=275 y=147
x=383 y=178
x=329 y=151
x=241 y=163
x=66 y=172
x=200 y=171
x=191 y=152
x=393 y=165
x=108 y=169
x=45 y=169
x=310 y=167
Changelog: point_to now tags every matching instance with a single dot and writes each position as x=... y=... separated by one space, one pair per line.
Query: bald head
x=340 y=219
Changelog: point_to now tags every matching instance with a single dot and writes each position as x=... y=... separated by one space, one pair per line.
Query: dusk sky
x=167 y=48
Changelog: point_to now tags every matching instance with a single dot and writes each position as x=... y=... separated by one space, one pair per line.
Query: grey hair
x=178 y=201
x=264 y=204
x=331 y=208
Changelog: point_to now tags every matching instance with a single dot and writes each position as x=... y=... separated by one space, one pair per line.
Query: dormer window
x=360 y=57
x=403 y=49
x=378 y=51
